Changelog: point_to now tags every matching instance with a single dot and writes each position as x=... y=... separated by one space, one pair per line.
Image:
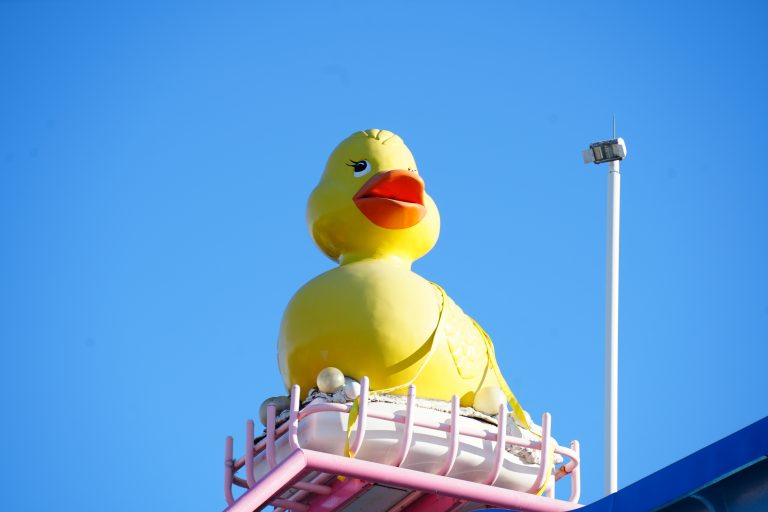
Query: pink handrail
x=260 y=447
x=289 y=504
x=453 y=447
x=485 y=435
x=228 y=470
x=405 y=445
x=266 y=447
x=362 y=417
x=501 y=448
x=271 y=412
x=434 y=484
x=293 y=420
x=544 y=465
x=304 y=490
x=575 y=475
x=249 y=454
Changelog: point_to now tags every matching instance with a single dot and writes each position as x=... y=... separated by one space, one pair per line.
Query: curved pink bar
x=571 y=454
x=293 y=421
x=575 y=475
x=236 y=480
x=453 y=448
x=362 y=416
x=488 y=436
x=550 y=490
x=304 y=492
x=435 y=484
x=270 y=484
x=290 y=505
x=405 y=445
x=485 y=435
x=501 y=445
x=403 y=504
x=478 y=434
x=270 y=439
x=249 y=454
x=544 y=465
x=312 y=409
x=266 y=447
x=228 y=469
x=312 y=487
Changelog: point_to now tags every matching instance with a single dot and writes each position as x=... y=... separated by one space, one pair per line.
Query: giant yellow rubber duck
x=372 y=315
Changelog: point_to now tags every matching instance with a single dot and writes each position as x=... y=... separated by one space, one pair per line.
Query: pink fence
x=310 y=481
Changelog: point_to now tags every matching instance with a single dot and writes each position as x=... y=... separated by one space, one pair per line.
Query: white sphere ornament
x=488 y=400
x=330 y=379
x=351 y=388
x=281 y=403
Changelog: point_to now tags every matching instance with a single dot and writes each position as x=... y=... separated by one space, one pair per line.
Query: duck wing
x=472 y=351
x=464 y=341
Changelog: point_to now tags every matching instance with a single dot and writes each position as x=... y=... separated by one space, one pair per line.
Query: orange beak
x=392 y=199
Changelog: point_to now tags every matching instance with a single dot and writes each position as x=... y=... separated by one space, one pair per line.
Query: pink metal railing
x=317 y=485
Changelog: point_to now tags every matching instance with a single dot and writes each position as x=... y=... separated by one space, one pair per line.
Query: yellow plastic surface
x=372 y=315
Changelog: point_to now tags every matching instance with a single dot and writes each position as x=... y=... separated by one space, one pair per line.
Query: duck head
x=371 y=203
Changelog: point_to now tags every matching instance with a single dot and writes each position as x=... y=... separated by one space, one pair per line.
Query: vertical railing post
x=544 y=465
x=576 y=475
x=453 y=439
x=405 y=444
x=229 y=465
x=501 y=445
x=293 y=420
x=362 y=415
x=249 y=454
x=270 y=448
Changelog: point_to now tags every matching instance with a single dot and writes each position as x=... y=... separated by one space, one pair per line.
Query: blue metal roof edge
x=680 y=479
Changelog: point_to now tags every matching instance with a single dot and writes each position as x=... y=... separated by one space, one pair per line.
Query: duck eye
x=361 y=168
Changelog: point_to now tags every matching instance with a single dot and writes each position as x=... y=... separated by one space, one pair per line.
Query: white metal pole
x=612 y=330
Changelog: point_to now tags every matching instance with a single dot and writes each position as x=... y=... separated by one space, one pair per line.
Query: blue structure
x=729 y=475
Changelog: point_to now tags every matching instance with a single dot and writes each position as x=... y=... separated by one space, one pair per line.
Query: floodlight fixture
x=605 y=151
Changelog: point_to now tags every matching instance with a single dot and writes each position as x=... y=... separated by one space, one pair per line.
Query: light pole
x=612 y=151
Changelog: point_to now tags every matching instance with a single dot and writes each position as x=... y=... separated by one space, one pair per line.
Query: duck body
x=372 y=316
x=379 y=319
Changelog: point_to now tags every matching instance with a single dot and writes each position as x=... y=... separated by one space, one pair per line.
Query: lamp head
x=605 y=151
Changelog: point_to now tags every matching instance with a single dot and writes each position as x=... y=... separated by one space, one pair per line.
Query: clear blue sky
x=155 y=161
